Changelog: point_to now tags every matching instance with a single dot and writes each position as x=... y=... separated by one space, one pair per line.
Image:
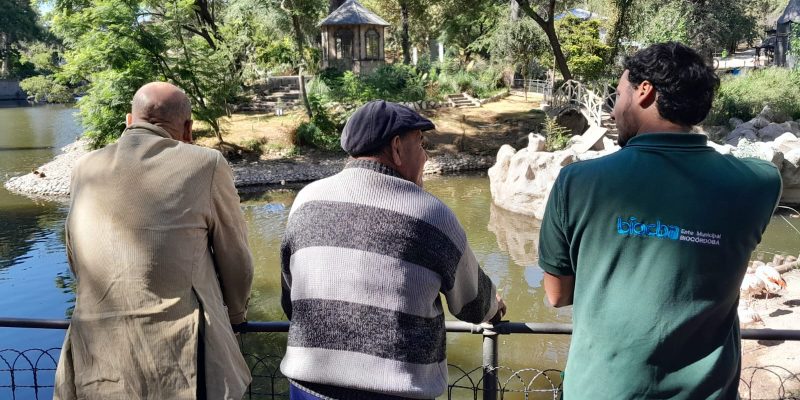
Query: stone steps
x=462 y=100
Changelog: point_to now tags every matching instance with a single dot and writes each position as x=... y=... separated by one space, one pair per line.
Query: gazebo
x=353 y=38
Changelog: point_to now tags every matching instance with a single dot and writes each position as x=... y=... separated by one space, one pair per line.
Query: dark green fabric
x=655 y=305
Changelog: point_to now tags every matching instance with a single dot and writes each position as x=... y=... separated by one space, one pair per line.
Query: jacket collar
x=144 y=128
x=372 y=166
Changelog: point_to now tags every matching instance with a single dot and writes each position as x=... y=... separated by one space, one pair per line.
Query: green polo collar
x=683 y=140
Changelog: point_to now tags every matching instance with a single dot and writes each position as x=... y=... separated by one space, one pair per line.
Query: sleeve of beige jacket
x=228 y=236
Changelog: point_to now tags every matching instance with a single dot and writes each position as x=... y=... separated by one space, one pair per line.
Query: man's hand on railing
x=501 y=310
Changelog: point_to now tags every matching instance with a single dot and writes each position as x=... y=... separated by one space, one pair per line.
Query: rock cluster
x=521 y=180
x=771 y=138
x=51 y=181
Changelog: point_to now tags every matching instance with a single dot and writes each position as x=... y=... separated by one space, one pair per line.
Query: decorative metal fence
x=594 y=100
x=29 y=374
x=545 y=88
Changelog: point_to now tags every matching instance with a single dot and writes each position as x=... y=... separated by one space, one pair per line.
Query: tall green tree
x=580 y=40
x=18 y=23
x=470 y=25
x=118 y=45
x=544 y=16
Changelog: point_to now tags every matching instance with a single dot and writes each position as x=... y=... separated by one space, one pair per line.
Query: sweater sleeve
x=472 y=296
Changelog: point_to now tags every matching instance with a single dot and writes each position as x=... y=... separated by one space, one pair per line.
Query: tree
x=18 y=22
x=471 y=25
x=545 y=18
x=705 y=25
x=520 y=43
x=580 y=40
x=418 y=21
x=118 y=45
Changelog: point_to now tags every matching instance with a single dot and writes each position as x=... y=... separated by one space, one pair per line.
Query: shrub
x=321 y=132
x=745 y=96
x=44 y=88
x=557 y=136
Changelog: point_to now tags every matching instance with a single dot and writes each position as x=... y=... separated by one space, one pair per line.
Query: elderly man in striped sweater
x=365 y=256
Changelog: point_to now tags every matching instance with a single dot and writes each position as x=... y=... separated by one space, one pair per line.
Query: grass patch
x=744 y=97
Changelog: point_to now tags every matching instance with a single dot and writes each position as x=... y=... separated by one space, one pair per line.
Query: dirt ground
x=771 y=369
x=479 y=131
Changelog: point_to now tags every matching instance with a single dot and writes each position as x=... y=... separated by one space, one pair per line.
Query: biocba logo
x=632 y=227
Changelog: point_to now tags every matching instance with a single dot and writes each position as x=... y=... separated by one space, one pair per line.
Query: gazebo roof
x=353 y=13
x=791 y=13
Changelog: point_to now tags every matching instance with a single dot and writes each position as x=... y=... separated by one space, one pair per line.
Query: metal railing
x=594 y=100
x=543 y=87
x=486 y=382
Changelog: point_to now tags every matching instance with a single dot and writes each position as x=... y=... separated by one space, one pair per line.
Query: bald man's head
x=165 y=105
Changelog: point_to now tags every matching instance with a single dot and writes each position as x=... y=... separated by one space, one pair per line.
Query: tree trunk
x=621 y=28
x=561 y=60
x=299 y=38
x=549 y=28
x=303 y=93
x=5 y=47
x=404 y=42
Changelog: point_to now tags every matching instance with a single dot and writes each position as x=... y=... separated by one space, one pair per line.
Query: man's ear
x=395 y=147
x=128 y=120
x=187 y=131
x=645 y=94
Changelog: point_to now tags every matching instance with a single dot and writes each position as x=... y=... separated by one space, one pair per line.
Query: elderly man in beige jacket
x=157 y=243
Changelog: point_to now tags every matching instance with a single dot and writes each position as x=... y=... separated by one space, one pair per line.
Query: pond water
x=35 y=279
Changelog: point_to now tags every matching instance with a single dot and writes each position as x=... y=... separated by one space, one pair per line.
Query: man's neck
x=662 y=126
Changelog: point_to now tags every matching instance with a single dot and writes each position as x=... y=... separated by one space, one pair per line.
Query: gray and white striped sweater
x=364 y=258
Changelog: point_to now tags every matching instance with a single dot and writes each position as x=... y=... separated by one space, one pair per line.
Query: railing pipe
x=490 y=347
x=503 y=328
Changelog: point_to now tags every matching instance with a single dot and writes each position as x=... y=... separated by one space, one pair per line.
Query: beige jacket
x=157 y=243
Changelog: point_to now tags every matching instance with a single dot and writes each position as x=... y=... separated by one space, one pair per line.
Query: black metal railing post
x=490 y=347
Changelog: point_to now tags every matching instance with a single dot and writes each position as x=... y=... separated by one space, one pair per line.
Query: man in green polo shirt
x=651 y=243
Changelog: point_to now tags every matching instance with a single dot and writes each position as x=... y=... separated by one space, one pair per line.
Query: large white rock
x=536 y=142
x=520 y=181
x=786 y=143
x=761 y=150
x=790 y=174
x=721 y=148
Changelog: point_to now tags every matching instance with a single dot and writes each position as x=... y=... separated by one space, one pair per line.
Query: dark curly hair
x=685 y=83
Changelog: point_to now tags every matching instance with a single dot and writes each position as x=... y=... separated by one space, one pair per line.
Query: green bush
x=557 y=136
x=44 y=88
x=321 y=132
x=745 y=96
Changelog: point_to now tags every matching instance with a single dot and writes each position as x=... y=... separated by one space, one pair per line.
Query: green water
x=34 y=276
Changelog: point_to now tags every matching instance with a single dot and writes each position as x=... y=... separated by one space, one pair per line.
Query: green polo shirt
x=658 y=236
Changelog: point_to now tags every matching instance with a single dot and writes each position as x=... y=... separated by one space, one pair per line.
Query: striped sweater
x=364 y=258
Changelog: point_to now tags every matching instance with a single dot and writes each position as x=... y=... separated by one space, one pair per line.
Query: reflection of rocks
x=520 y=181
x=517 y=235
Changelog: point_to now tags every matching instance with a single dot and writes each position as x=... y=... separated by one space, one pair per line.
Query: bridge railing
x=30 y=373
x=593 y=100
x=543 y=87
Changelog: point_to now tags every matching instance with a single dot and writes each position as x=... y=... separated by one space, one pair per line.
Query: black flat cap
x=377 y=122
